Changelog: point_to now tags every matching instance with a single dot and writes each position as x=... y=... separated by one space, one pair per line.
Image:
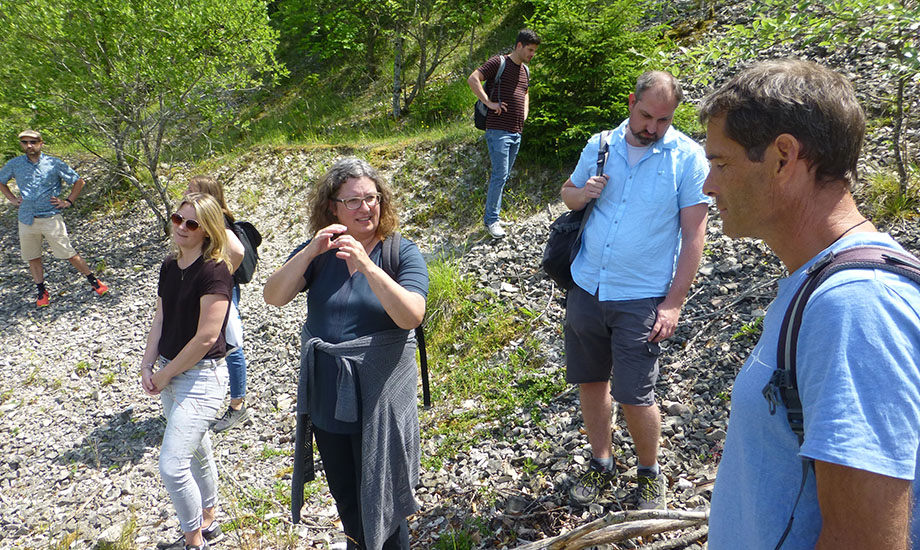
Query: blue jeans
x=503 y=149
x=236 y=361
x=190 y=402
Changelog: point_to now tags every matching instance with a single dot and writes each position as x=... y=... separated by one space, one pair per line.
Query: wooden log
x=564 y=541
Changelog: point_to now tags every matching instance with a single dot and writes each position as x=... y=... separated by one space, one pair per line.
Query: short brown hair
x=789 y=96
x=329 y=184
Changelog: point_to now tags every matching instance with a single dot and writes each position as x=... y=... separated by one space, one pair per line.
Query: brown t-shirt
x=514 y=85
x=181 y=291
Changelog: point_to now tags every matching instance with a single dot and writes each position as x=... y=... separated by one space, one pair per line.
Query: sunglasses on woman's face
x=191 y=225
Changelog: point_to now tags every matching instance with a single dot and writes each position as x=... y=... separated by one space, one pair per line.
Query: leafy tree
x=586 y=66
x=889 y=29
x=429 y=31
x=140 y=77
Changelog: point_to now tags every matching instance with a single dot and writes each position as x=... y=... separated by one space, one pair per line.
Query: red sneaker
x=43 y=299
x=99 y=287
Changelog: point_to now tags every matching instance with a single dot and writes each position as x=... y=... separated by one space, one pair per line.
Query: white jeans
x=190 y=403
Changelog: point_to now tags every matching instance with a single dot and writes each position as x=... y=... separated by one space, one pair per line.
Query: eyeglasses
x=29 y=141
x=191 y=225
x=354 y=203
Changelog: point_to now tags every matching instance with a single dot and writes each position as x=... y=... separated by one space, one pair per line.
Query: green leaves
x=587 y=65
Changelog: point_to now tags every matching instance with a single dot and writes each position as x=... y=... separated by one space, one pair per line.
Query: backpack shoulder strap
x=603 y=148
x=390 y=261
x=783 y=385
x=390 y=255
x=501 y=68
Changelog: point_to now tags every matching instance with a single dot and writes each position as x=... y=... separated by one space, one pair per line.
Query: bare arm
x=5 y=189
x=526 y=104
x=284 y=284
x=861 y=509
x=71 y=198
x=475 y=82
x=151 y=351
x=577 y=198
x=693 y=236
x=213 y=310
x=406 y=308
x=235 y=250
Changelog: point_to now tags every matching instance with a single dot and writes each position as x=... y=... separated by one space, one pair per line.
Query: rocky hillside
x=78 y=462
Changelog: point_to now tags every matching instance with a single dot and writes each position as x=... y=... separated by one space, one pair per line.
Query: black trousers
x=341 y=454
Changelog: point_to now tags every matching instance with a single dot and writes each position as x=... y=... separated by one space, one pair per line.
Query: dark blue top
x=342 y=307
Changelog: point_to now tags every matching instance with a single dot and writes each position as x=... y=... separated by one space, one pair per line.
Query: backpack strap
x=603 y=148
x=497 y=81
x=783 y=385
x=390 y=265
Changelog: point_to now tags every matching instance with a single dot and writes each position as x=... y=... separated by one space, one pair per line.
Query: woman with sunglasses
x=358 y=374
x=184 y=362
x=236 y=412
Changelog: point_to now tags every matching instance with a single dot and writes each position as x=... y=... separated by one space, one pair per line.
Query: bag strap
x=783 y=385
x=602 y=150
x=391 y=267
x=497 y=81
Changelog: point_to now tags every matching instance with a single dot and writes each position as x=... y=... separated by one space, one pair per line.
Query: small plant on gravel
x=749 y=330
x=125 y=539
x=454 y=540
x=66 y=542
x=108 y=379
x=81 y=368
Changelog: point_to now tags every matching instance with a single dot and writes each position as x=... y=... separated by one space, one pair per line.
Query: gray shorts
x=609 y=341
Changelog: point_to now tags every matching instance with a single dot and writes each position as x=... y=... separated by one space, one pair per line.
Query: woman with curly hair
x=358 y=374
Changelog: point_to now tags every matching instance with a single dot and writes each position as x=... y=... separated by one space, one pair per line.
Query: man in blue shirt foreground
x=640 y=250
x=39 y=177
x=784 y=138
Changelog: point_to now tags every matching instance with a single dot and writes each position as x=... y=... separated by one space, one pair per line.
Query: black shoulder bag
x=565 y=233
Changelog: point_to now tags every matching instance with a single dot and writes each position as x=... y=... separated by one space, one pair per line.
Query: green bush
x=587 y=64
x=443 y=102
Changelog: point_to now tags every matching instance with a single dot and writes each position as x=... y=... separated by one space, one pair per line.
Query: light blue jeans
x=503 y=149
x=190 y=403
x=236 y=361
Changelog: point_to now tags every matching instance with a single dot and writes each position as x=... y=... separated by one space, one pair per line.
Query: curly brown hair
x=329 y=184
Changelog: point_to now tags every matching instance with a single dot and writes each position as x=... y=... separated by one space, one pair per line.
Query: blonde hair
x=211 y=220
x=330 y=183
x=210 y=186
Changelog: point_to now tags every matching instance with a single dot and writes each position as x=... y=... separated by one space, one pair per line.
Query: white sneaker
x=495 y=229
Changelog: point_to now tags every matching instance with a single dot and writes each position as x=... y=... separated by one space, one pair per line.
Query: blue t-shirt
x=342 y=307
x=859 y=381
x=37 y=183
x=631 y=241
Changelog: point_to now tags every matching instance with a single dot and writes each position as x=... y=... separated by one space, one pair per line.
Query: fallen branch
x=617 y=526
x=679 y=542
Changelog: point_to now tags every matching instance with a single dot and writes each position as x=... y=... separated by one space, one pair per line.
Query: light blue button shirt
x=37 y=183
x=632 y=239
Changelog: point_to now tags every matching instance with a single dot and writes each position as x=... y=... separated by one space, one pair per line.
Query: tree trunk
x=397 y=72
x=896 y=136
x=370 y=48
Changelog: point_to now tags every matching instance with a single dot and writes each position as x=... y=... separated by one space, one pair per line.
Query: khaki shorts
x=53 y=230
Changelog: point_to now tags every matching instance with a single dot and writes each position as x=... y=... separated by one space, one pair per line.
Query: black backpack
x=783 y=385
x=251 y=239
x=480 y=111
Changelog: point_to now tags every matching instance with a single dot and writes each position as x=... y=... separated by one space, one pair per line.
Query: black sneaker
x=231 y=418
x=596 y=481
x=213 y=533
x=652 y=493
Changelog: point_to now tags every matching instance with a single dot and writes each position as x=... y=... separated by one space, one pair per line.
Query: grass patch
x=482 y=351
x=888 y=201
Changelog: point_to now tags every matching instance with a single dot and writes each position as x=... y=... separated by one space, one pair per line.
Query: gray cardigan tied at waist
x=382 y=367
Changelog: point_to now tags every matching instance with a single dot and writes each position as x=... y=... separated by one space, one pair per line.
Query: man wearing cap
x=39 y=177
